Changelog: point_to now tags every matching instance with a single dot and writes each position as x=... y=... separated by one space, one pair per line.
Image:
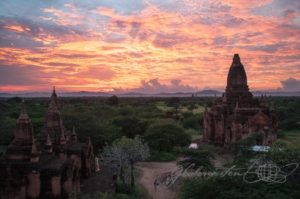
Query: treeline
x=106 y=119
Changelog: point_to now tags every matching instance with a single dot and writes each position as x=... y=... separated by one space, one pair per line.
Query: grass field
x=163 y=107
x=292 y=138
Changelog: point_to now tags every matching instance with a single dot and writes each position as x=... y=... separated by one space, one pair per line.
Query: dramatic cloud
x=154 y=86
x=128 y=44
x=291 y=84
x=21 y=76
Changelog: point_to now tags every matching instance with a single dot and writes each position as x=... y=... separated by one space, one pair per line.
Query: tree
x=113 y=100
x=192 y=121
x=163 y=136
x=122 y=155
x=174 y=102
x=130 y=125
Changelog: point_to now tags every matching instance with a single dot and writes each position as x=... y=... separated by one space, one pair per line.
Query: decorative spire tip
x=236 y=59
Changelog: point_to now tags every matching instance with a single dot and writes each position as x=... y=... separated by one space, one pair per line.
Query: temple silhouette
x=49 y=165
x=237 y=114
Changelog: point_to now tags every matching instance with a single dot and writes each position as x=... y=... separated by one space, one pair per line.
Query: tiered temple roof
x=238 y=114
x=48 y=167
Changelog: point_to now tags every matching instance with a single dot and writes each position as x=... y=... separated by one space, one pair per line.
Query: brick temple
x=49 y=165
x=237 y=114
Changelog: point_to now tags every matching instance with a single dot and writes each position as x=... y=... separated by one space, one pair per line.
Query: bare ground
x=149 y=172
x=219 y=161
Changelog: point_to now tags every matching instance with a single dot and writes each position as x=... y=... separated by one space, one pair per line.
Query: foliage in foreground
x=196 y=158
x=122 y=155
x=136 y=193
x=281 y=154
x=235 y=188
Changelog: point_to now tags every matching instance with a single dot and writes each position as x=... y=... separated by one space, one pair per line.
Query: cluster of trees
x=103 y=119
x=288 y=112
x=233 y=187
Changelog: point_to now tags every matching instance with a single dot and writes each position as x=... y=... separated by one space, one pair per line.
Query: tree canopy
x=164 y=135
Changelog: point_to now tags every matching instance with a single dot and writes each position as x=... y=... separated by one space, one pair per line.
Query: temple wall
x=34 y=185
x=219 y=131
x=68 y=185
x=56 y=186
x=62 y=156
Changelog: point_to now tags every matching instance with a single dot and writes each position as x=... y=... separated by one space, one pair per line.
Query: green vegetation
x=165 y=135
x=121 y=193
x=283 y=154
x=122 y=155
x=196 y=158
x=291 y=138
x=288 y=111
x=235 y=188
x=167 y=125
x=162 y=156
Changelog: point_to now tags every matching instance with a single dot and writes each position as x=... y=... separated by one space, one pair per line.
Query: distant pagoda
x=237 y=114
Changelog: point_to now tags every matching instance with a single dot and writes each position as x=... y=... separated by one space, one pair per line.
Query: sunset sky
x=147 y=45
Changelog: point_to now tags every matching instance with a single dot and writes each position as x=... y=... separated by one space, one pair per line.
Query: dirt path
x=219 y=161
x=149 y=172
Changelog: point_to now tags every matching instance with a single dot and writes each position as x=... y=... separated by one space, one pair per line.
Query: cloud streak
x=103 y=45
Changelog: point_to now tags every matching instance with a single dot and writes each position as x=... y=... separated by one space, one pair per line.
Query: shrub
x=161 y=156
x=165 y=135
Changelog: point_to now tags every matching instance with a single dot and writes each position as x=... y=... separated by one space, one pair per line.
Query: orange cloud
x=16 y=28
x=102 y=49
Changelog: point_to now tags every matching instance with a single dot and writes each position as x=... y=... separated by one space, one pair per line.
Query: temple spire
x=62 y=138
x=33 y=147
x=24 y=129
x=54 y=97
x=237 y=86
x=23 y=109
x=236 y=59
x=34 y=156
x=74 y=135
x=48 y=146
x=48 y=141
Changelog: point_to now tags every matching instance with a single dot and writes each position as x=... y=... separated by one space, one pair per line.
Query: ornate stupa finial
x=33 y=147
x=23 y=108
x=23 y=114
x=48 y=147
x=63 y=139
x=236 y=59
x=34 y=156
x=48 y=141
x=74 y=135
x=54 y=99
x=24 y=129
